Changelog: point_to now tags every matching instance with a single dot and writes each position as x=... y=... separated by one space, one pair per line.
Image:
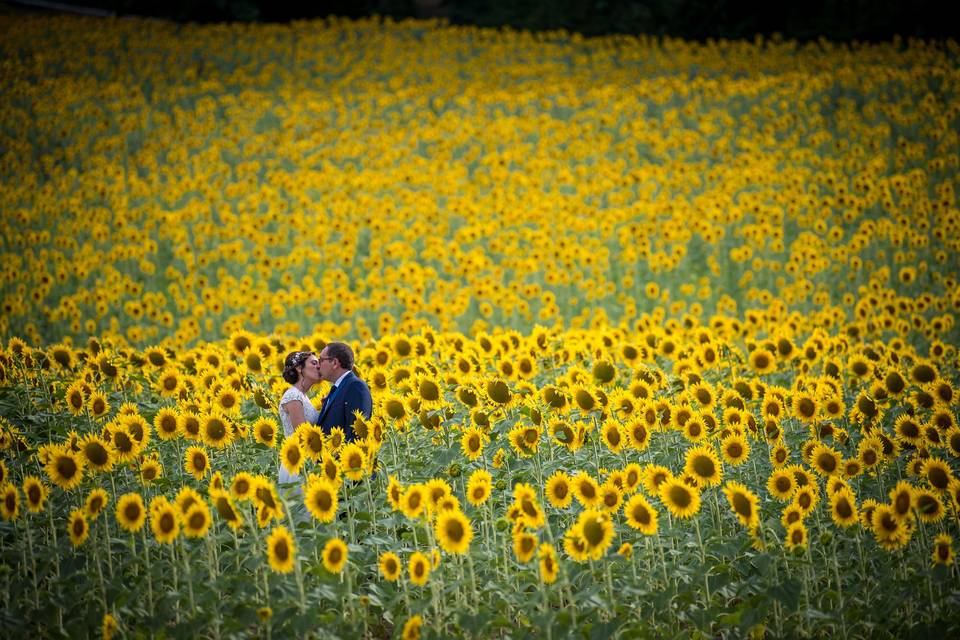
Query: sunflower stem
x=187 y=572
x=843 y=618
x=106 y=541
x=703 y=561
x=213 y=567
x=33 y=563
x=56 y=565
x=173 y=567
x=103 y=586
x=146 y=556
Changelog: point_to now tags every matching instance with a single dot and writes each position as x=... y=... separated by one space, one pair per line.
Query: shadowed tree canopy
x=692 y=19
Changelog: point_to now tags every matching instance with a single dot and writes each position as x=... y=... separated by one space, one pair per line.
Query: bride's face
x=311 y=369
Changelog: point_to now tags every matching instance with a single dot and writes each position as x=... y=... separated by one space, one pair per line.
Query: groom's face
x=328 y=366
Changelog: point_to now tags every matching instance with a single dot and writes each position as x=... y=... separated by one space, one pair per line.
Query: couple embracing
x=349 y=394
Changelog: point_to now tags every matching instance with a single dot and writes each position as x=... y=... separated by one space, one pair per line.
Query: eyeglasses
x=322 y=358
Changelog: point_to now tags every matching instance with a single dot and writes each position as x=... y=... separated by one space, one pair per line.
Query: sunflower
x=77 y=527
x=76 y=399
x=353 y=460
x=186 y=498
x=215 y=430
x=242 y=486
x=612 y=435
x=196 y=462
x=414 y=501
x=937 y=473
x=265 y=432
x=825 y=460
x=411 y=628
x=330 y=469
x=559 y=490
x=226 y=509
x=702 y=463
x=418 y=569
x=843 y=508
x=806 y=497
x=902 y=499
x=762 y=361
x=281 y=550
x=291 y=456
x=335 y=439
x=743 y=503
x=952 y=438
x=641 y=515
x=805 y=406
x=130 y=512
x=196 y=521
x=166 y=424
x=530 y=513
x=908 y=429
x=390 y=566
x=227 y=401
x=98 y=453
x=479 y=487
x=796 y=536
x=923 y=372
x=595 y=530
x=654 y=476
x=586 y=490
x=524 y=546
x=35 y=492
x=929 y=506
x=169 y=383
x=334 y=555
x=680 y=499
x=704 y=395
x=321 y=500
x=632 y=477
x=189 y=425
x=781 y=484
x=96 y=502
x=890 y=532
x=735 y=449
x=9 y=501
x=611 y=497
x=64 y=468
x=124 y=445
x=943 y=550
x=97 y=404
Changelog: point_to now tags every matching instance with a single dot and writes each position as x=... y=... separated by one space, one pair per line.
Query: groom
x=348 y=394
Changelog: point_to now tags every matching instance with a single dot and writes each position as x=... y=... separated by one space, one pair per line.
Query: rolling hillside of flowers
x=660 y=335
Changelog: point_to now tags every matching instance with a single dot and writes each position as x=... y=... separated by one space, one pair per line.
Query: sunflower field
x=661 y=335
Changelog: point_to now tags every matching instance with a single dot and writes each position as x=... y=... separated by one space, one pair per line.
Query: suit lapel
x=329 y=403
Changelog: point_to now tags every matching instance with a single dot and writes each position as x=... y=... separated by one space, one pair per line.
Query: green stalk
x=703 y=561
x=33 y=562
x=146 y=557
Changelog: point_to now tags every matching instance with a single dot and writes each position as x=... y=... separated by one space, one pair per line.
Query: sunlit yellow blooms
x=681 y=500
x=281 y=550
x=390 y=566
x=479 y=487
x=321 y=500
x=335 y=554
x=418 y=568
x=641 y=515
x=743 y=503
x=196 y=462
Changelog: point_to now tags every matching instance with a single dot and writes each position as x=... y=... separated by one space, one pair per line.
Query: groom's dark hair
x=342 y=352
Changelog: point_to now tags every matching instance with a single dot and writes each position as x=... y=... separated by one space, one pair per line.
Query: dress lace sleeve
x=291 y=394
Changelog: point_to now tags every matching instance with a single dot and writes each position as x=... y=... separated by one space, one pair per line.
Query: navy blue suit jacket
x=338 y=410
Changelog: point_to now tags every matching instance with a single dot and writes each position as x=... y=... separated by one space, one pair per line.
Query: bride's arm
x=295 y=411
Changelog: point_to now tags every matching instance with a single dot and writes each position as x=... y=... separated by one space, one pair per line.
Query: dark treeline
x=841 y=20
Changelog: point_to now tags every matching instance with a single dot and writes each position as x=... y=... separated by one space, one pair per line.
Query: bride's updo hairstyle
x=292 y=364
